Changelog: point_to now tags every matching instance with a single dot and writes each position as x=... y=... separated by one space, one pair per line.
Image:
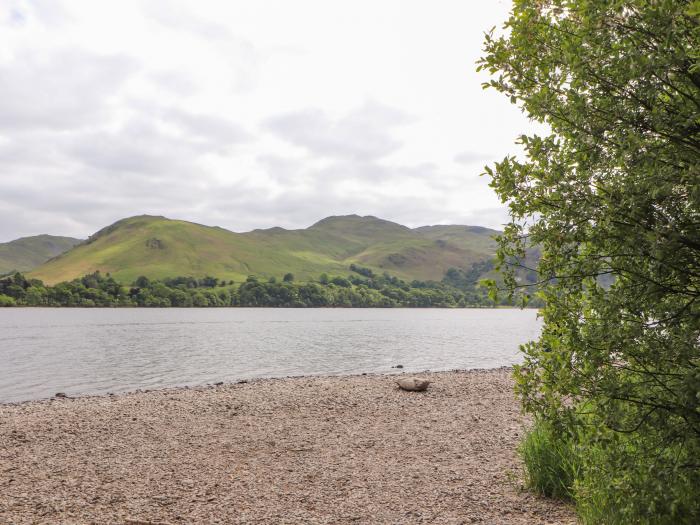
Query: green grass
x=551 y=463
x=615 y=479
x=29 y=252
x=158 y=247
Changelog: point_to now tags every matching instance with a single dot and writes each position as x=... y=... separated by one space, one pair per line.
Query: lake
x=96 y=351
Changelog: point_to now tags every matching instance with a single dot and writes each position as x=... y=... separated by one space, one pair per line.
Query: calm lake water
x=95 y=351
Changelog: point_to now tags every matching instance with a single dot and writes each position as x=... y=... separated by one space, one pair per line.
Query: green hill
x=158 y=247
x=29 y=252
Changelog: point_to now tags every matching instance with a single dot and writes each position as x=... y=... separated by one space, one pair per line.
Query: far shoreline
x=135 y=307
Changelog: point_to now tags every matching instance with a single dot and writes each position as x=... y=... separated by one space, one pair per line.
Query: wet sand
x=350 y=449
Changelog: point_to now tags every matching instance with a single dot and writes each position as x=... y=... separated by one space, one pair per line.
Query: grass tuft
x=551 y=463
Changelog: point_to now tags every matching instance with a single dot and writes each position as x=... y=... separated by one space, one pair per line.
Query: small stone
x=413 y=384
x=218 y=383
x=397 y=366
x=60 y=394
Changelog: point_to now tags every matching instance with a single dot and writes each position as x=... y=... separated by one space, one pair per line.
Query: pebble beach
x=354 y=449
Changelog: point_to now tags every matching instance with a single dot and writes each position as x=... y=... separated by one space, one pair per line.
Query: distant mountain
x=158 y=247
x=29 y=252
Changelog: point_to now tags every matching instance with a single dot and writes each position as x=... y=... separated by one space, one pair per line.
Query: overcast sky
x=247 y=114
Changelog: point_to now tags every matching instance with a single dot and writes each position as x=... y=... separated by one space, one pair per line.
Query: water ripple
x=92 y=351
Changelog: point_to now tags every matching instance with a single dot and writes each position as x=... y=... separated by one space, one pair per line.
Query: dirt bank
x=302 y=450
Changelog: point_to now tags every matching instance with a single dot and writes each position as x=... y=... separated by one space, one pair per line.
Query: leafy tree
x=180 y=298
x=142 y=282
x=253 y=293
x=103 y=291
x=181 y=282
x=16 y=291
x=224 y=297
x=288 y=277
x=6 y=300
x=611 y=190
x=160 y=290
x=341 y=281
x=199 y=299
x=367 y=272
x=35 y=296
x=208 y=282
x=91 y=280
x=19 y=280
x=313 y=295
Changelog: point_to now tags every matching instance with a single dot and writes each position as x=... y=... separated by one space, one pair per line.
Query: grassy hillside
x=158 y=247
x=29 y=252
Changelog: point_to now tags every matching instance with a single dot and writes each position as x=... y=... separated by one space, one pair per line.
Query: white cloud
x=363 y=134
x=62 y=90
x=246 y=114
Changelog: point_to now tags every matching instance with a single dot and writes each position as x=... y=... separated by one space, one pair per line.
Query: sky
x=247 y=114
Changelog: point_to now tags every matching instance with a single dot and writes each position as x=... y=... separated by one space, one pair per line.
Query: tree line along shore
x=361 y=289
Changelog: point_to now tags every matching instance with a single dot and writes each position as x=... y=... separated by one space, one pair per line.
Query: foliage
x=550 y=459
x=465 y=279
x=611 y=196
x=6 y=300
x=100 y=290
x=367 y=272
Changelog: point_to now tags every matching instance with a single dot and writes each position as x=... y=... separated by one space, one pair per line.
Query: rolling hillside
x=158 y=247
x=29 y=252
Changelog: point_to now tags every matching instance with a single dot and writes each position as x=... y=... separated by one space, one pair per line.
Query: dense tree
x=367 y=272
x=142 y=282
x=341 y=281
x=610 y=193
x=99 y=290
x=208 y=282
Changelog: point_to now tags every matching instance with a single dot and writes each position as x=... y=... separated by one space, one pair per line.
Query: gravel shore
x=300 y=450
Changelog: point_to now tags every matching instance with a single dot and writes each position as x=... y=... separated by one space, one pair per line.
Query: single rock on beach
x=413 y=384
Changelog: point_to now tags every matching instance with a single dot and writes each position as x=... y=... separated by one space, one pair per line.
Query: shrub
x=609 y=194
x=551 y=465
x=6 y=300
x=626 y=479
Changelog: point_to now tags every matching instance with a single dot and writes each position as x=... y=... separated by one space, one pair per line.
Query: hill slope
x=27 y=253
x=158 y=247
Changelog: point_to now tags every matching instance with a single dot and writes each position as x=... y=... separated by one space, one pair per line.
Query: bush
x=625 y=480
x=614 y=478
x=6 y=300
x=551 y=465
x=609 y=196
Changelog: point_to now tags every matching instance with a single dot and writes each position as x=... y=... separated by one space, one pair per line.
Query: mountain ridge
x=26 y=253
x=158 y=247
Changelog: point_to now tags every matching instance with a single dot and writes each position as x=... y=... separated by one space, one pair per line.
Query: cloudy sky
x=247 y=114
